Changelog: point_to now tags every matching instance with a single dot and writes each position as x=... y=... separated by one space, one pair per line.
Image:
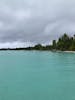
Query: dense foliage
x=64 y=43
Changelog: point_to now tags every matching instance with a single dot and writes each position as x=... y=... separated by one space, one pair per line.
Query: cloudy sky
x=26 y=22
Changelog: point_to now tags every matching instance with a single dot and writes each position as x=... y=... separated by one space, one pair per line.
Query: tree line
x=64 y=43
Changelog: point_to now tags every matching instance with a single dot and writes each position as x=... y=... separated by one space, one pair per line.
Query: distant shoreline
x=69 y=51
x=64 y=44
x=26 y=49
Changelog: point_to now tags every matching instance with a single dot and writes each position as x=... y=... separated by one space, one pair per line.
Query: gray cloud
x=37 y=21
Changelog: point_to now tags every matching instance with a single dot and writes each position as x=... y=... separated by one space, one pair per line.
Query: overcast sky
x=35 y=21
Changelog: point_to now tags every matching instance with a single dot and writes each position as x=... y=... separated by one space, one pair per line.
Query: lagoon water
x=35 y=75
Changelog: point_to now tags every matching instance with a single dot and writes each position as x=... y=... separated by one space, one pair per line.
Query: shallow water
x=34 y=75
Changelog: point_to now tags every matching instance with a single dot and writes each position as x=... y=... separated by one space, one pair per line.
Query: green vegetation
x=64 y=43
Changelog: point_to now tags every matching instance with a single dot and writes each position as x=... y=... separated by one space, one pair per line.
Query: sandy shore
x=69 y=51
x=65 y=51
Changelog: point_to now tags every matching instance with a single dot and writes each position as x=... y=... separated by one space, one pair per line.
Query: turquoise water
x=34 y=75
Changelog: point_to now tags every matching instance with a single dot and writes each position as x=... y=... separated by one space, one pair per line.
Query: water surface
x=35 y=75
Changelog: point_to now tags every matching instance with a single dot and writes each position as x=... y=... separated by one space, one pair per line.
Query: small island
x=64 y=43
